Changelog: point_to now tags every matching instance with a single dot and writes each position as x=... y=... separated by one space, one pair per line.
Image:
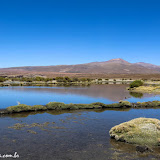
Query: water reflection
x=73 y=94
x=71 y=135
x=59 y=112
x=136 y=94
x=122 y=150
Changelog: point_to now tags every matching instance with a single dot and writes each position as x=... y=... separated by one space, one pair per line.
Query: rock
x=143 y=149
x=33 y=132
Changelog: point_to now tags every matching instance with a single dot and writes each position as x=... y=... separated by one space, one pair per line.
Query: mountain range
x=113 y=66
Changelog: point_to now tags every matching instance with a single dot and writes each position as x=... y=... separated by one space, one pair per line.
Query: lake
x=70 y=135
x=75 y=94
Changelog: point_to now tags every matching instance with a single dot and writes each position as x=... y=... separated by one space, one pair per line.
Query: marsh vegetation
x=141 y=131
x=71 y=106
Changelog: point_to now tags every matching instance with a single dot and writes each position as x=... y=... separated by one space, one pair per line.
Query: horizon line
x=77 y=64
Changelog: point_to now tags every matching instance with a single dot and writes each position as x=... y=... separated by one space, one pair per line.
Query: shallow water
x=71 y=135
x=75 y=94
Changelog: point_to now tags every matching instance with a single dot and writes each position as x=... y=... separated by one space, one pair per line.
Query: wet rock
x=143 y=149
x=18 y=126
x=33 y=132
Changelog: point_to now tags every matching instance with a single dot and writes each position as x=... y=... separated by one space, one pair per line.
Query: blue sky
x=51 y=32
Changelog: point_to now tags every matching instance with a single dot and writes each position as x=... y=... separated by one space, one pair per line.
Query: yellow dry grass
x=147 y=89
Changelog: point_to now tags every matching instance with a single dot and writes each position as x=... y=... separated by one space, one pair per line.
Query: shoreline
x=41 y=83
x=79 y=83
x=62 y=106
x=146 y=89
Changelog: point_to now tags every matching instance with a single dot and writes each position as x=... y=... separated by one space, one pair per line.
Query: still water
x=70 y=135
x=95 y=93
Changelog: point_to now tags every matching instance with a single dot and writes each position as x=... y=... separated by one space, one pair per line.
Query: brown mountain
x=114 y=66
x=148 y=65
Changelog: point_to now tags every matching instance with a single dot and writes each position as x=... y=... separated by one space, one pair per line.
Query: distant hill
x=113 y=66
x=148 y=65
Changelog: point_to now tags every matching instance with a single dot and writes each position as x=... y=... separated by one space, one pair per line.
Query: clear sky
x=51 y=32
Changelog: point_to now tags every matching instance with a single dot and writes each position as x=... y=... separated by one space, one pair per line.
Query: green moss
x=25 y=108
x=39 y=107
x=113 y=105
x=99 y=105
x=19 y=108
x=56 y=105
x=149 y=104
x=71 y=106
x=96 y=105
x=141 y=131
x=124 y=104
x=121 y=104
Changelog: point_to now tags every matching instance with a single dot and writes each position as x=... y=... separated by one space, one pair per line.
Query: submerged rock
x=141 y=131
x=33 y=132
x=143 y=149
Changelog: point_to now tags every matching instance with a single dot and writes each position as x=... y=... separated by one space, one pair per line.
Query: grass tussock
x=147 y=89
x=55 y=105
x=39 y=108
x=121 y=104
x=148 y=104
x=61 y=106
x=136 y=83
x=71 y=106
x=25 y=108
x=19 y=108
x=141 y=131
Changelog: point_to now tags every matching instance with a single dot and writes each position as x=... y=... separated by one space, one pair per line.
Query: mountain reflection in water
x=107 y=93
